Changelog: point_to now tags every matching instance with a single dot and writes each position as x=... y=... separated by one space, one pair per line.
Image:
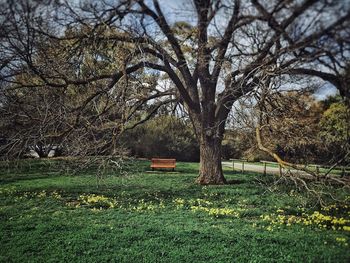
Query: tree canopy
x=213 y=53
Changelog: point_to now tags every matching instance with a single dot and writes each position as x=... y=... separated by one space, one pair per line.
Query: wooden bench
x=163 y=163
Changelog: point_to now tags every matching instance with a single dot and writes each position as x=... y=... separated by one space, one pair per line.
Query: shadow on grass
x=14 y=176
x=235 y=181
x=178 y=170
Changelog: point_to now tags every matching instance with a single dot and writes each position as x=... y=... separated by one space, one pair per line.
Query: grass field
x=49 y=215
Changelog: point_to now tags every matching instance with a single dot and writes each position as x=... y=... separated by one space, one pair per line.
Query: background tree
x=46 y=105
x=290 y=126
x=163 y=137
x=335 y=132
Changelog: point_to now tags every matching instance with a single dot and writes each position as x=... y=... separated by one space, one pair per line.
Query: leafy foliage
x=335 y=124
x=163 y=136
x=335 y=129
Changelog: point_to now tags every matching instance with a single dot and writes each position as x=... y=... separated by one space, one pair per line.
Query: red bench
x=163 y=163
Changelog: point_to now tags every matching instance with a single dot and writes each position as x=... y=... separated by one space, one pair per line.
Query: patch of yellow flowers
x=8 y=190
x=179 y=202
x=194 y=205
x=142 y=205
x=96 y=201
x=341 y=240
x=202 y=205
x=216 y=211
x=317 y=219
x=41 y=194
x=99 y=202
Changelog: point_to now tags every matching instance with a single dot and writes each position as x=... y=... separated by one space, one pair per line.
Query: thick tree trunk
x=210 y=170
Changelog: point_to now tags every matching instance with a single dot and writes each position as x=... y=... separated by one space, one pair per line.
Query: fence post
x=233 y=164
x=242 y=166
x=264 y=168
x=280 y=167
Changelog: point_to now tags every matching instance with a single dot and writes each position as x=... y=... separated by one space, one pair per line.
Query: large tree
x=214 y=52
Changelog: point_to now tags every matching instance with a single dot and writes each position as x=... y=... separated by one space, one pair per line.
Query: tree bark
x=210 y=168
x=209 y=133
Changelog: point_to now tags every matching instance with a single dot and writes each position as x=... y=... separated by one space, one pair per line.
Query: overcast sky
x=324 y=91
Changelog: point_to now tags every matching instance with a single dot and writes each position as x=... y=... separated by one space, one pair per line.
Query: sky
x=325 y=91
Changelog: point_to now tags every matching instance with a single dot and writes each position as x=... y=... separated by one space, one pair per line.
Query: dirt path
x=258 y=168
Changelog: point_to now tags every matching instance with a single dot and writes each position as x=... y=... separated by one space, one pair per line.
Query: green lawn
x=322 y=169
x=49 y=215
